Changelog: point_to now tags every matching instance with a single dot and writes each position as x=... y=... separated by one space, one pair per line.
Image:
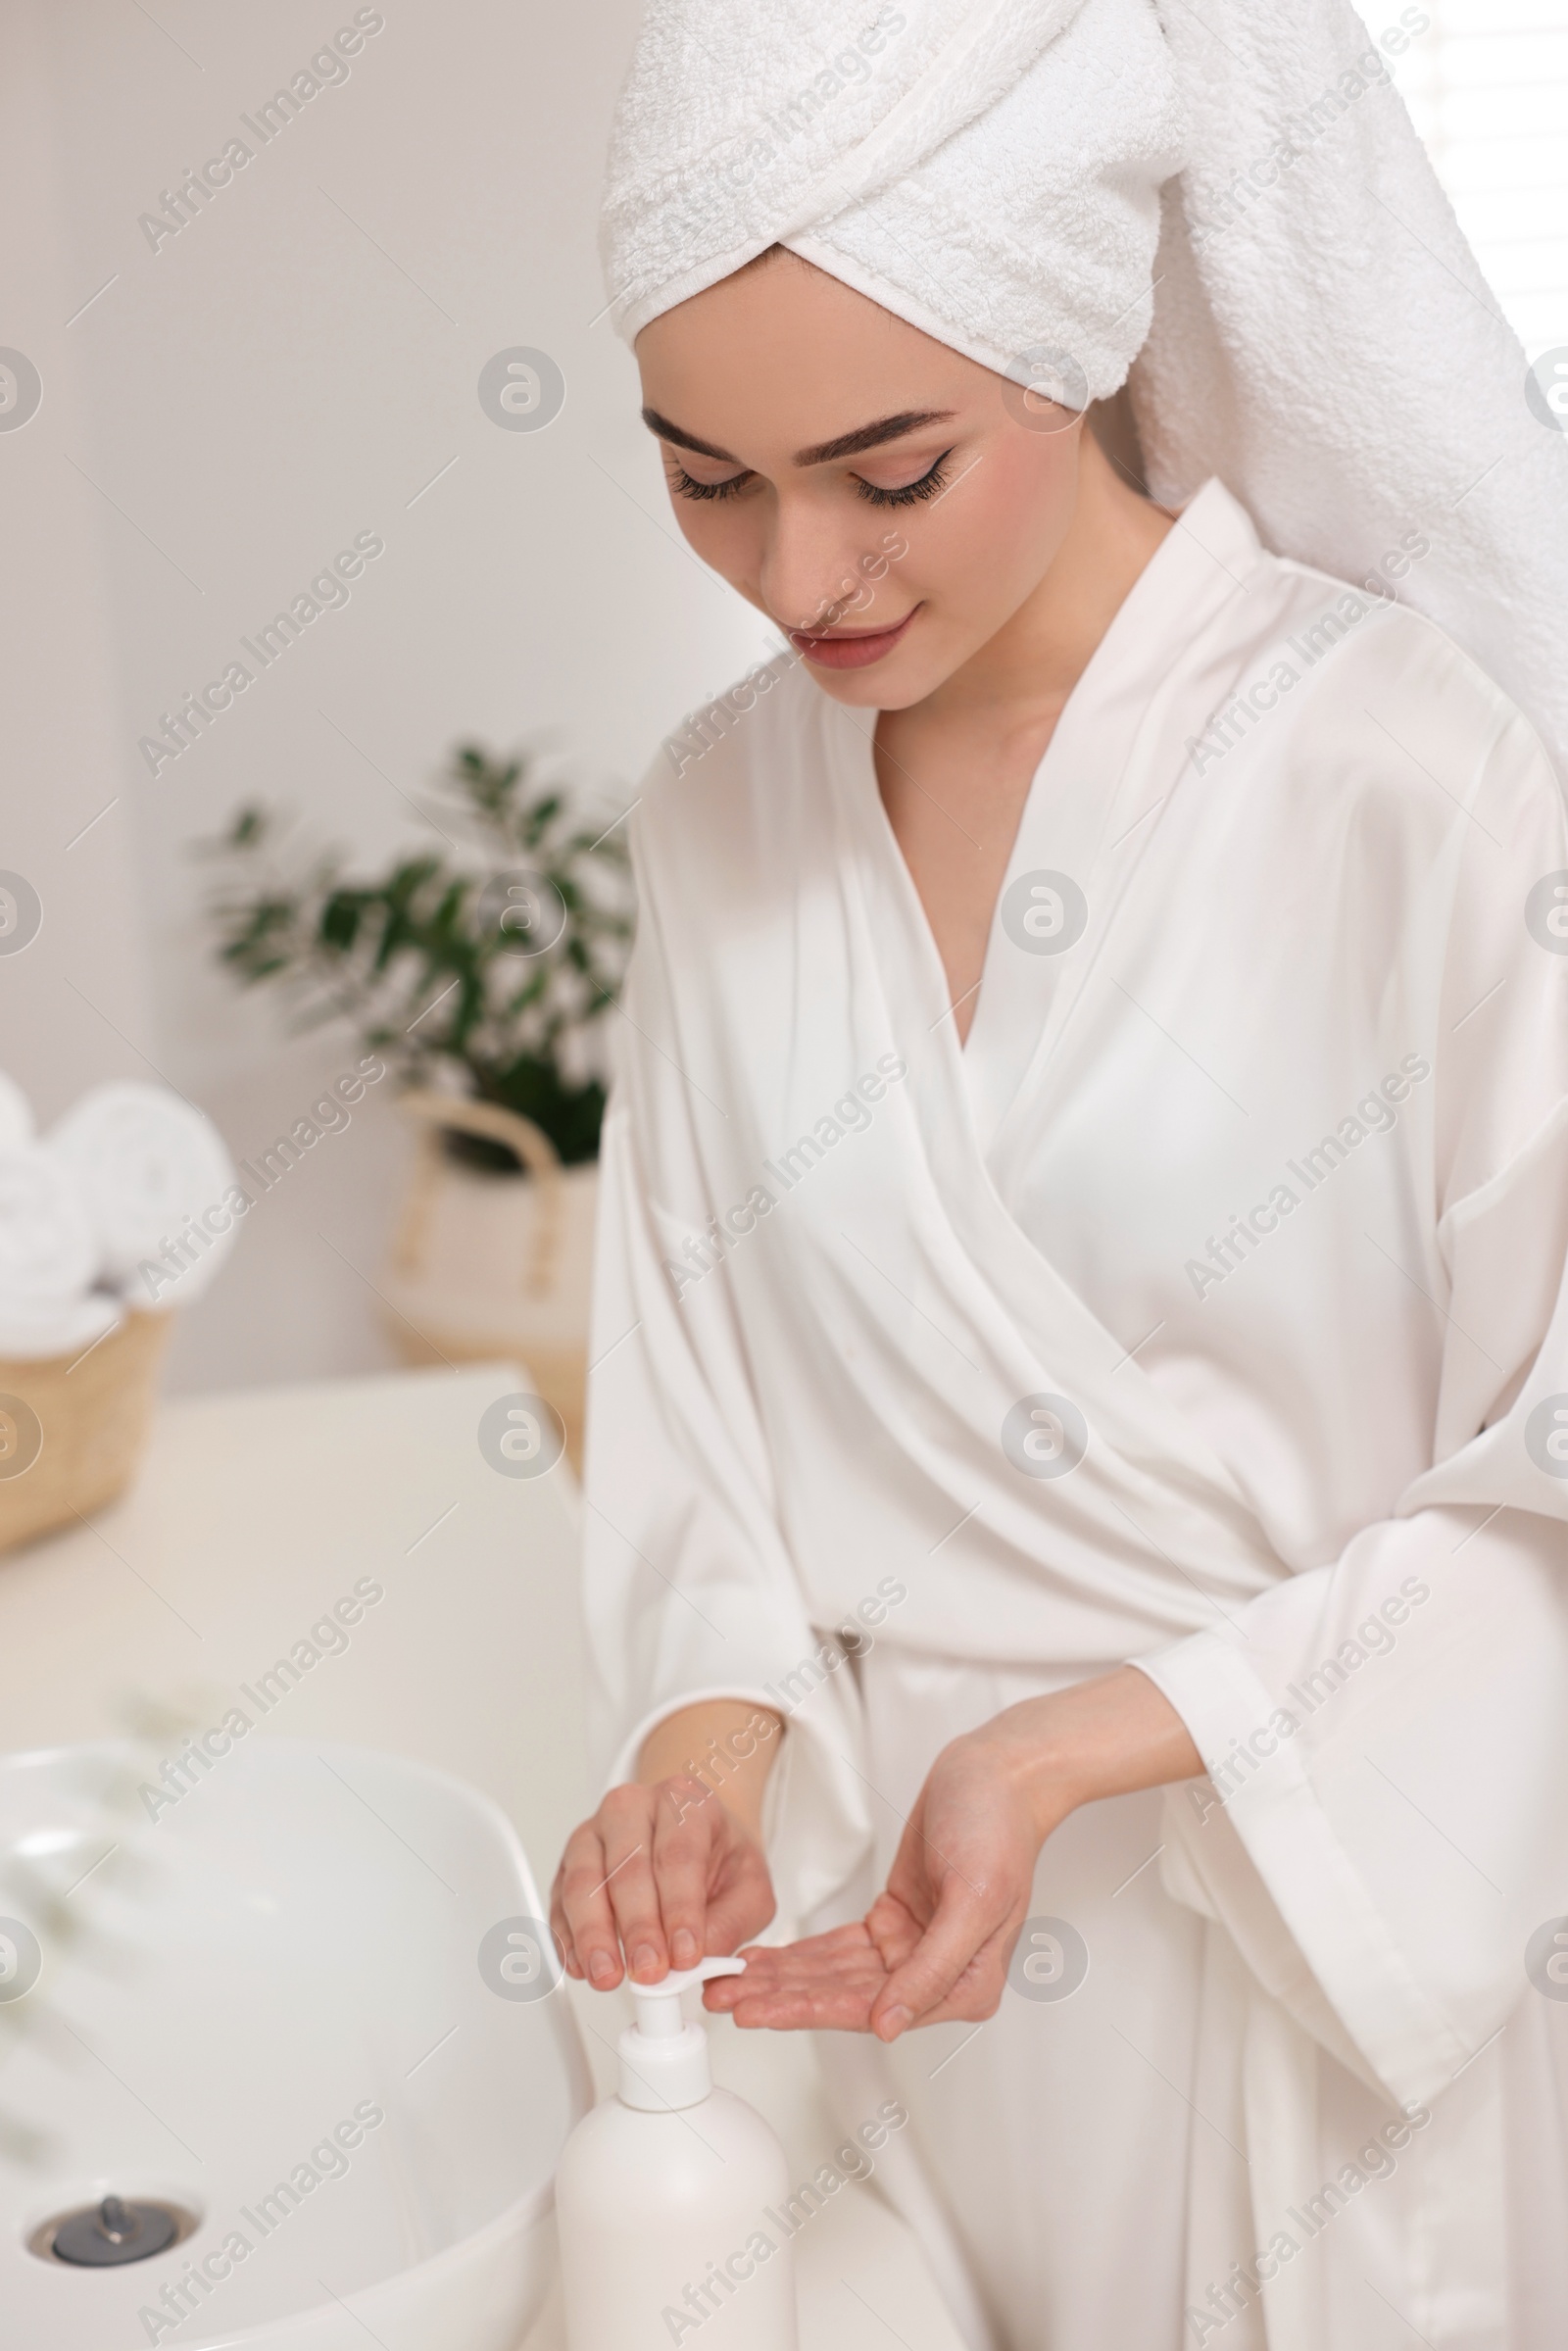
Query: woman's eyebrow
x=847 y=444
x=667 y=431
x=872 y=436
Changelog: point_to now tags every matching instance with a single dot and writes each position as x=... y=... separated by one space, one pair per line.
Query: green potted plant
x=489 y=973
x=482 y=977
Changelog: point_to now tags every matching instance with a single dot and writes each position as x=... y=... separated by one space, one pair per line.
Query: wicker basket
x=77 y=1424
x=485 y=1266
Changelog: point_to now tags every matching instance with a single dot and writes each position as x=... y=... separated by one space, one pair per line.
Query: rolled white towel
x=16 y=1114
x=151 y=1167
x=48 y=1249
x=66 y=1327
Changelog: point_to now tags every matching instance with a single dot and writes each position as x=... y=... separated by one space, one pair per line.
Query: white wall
x=66 y=997
x=294 y=367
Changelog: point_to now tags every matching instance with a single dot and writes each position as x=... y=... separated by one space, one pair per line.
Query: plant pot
x=494 y=1265
x=92 y=1411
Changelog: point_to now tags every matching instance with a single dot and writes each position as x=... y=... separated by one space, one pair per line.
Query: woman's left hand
x=936 y=1944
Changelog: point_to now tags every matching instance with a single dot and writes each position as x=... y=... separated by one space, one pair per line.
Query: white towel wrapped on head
x=151 y=1167
x=959 y=147
x=1313 y=327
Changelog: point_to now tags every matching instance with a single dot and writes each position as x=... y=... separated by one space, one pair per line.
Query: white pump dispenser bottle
x=668 y=2199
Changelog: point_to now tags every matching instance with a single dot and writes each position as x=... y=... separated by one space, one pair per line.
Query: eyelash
x=909 y=493
x=686 y=487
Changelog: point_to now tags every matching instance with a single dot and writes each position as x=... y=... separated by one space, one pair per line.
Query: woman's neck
x=1029 y=667
x=954 y=770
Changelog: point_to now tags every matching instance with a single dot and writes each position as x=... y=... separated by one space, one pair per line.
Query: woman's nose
x=811 y=573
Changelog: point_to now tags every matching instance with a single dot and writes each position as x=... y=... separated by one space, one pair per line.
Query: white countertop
x=253 y=1514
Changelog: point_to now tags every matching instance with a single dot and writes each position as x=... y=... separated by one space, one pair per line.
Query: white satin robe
x=1325 y=1436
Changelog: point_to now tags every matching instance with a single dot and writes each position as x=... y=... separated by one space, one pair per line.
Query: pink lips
x=849 y=649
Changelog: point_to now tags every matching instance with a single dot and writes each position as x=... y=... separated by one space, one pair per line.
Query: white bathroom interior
x=291 y=1960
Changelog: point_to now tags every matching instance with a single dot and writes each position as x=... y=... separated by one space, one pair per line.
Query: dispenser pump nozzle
x=664 y=2060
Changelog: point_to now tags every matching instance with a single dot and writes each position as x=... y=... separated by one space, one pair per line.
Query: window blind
x=1487 y=85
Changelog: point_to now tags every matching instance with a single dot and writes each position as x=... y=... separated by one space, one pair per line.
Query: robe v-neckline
x=1072 y=808
x=1109 y=741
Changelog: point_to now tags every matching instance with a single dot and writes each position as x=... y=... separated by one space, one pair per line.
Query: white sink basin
x=291 y=1947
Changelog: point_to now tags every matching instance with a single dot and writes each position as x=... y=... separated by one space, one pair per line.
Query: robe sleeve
x=690 y=1589
x=1385 y=1823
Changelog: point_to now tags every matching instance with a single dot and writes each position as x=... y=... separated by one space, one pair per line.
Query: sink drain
x=118 y=2228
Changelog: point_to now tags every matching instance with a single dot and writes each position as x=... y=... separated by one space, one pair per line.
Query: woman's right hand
x=666 y=1874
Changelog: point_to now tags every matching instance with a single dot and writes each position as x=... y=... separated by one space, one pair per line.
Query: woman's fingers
x=743 y=1907
x=580 y=1910
x=894 y=1929
x=828 y=1982
x=626 y=1829
x=561 y=1930
x=948 y=1947
x=878 y=1975
x=817 y=2008
x=740 y=1893
x=713 y=1886
x=770 y=1965
x=683 y=1835
x=977 y=1993
x=661 y=1874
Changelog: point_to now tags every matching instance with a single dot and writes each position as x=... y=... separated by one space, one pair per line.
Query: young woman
x=1079 y=1444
